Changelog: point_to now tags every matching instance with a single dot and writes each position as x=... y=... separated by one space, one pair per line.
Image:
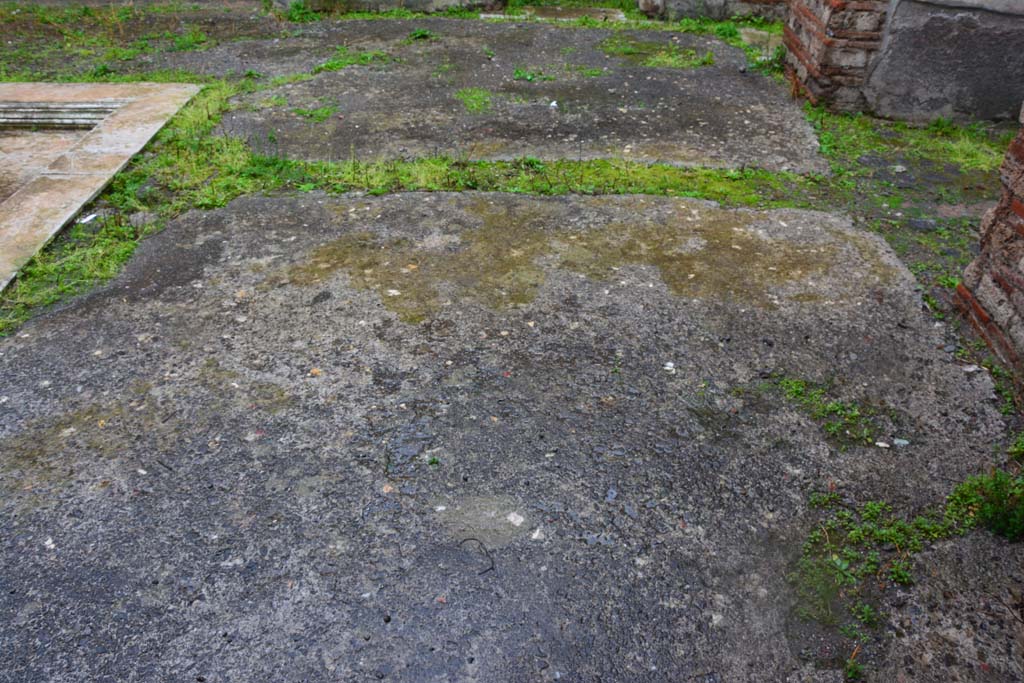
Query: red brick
x=1017 y=206
x=973 y=306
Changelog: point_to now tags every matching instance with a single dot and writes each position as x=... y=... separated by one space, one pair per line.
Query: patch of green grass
x=677 y=58
x=585 y=71
x=844 y=421
x=624 y=5
x=845 y=138
x=627 y=46
x=83 y=256
x=521 y=74
x=1003 y=382
x=995 y=501
x=190 y=40
x=442 y=69
x=275 y=101
x=852 y=543
x=856 y=551
x=299 y=13
x=475 y=100
x=655 y=54
x=420 y=34
x=1016 y=448
x=344 y=58
x=318 y=115
x=278 y=81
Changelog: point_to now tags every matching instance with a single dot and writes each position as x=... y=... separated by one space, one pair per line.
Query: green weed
x=420 y=34
x=344 y=58
x=520 y=74
x=475 y=100
x=190 y=40
x=844 y=421
x=677 y=58
x=298 y=13
x=995 y=501
x=318 y=115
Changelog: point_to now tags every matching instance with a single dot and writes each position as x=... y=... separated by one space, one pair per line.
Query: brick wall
x=991 y=295
x=831 y=43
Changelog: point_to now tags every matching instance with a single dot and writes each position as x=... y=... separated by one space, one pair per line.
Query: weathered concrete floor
x=433 y=438
x=715 y=115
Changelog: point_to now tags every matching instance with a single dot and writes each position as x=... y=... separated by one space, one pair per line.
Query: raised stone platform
x=461 y=437
x=538 y=91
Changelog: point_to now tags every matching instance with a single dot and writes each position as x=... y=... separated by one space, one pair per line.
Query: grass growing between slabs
x=857 y=551
x=846 y=138
x=188 y=166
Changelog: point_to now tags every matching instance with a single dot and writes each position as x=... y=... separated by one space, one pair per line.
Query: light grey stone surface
x=952 y=58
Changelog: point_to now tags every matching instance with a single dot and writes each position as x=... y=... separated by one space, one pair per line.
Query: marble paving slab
x=48 y=175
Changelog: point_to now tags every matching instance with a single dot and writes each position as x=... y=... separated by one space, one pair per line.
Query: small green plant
x=995 y=501
x=420 y=34
x=853 y=670
x=318 y=115
x=275 y=101
x=189 y=40
x=298 y=13
x=899 y=572
x=520 y=74
x=443 y=68
x=1016 y=448
x=774 y=63
x=844 y=421
x=585 y=71
x=475 y=100
x=344 y=58
x=676 y=58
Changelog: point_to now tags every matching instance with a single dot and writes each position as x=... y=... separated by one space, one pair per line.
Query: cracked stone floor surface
x=479 y=437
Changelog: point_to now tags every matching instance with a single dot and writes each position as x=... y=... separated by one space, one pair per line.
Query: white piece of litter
x=881 y=444
x=515 y=519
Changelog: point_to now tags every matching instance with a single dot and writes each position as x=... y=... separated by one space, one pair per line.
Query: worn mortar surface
x=582 y=104
x=342 y=438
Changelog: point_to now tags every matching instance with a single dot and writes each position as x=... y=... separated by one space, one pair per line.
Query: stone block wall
x=831 y=44
x=713 y=9
x=909 y=59
x=949 y=58
x=991 y=295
